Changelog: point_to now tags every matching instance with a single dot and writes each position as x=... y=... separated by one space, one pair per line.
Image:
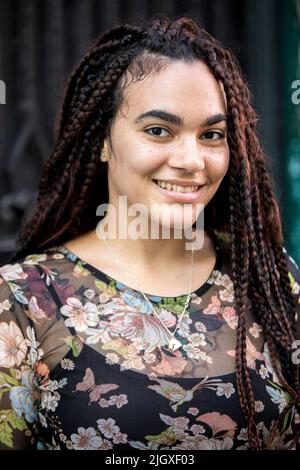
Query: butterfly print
x=95 y=391
x=34 y=312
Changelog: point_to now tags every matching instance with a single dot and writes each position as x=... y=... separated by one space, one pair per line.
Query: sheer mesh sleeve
x=19 y=356
x=294 y=277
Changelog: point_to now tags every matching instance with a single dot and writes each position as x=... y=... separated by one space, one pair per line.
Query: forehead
x=189 y=89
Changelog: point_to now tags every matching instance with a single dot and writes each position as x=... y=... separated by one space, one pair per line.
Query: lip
x=180 y=183
x=180 y=197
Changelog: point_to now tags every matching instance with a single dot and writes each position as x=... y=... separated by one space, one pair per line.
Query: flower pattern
x=22 y=396
x=13 y=346
x=86 y=439
x=73 y=338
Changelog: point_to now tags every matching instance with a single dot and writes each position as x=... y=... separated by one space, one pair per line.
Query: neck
x=161 y=267
x=160 y=253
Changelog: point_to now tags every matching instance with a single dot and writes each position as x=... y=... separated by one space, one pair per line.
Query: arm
x=18 y=382
x=294 y=277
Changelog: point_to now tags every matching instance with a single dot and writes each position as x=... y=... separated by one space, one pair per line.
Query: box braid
x=72 y=183
x=266 y=251
x=76 y=154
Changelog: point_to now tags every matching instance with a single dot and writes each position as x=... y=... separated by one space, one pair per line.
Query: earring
x=103 y=157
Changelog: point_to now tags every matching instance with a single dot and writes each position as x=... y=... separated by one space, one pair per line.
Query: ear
x=105 y=147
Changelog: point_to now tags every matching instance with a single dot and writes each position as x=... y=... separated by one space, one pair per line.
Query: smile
x=176 y=187
x=181 y=194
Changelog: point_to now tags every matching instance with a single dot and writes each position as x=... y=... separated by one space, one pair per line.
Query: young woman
x=124 y=342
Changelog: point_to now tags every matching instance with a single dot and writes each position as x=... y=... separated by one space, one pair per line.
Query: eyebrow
x=178 y=121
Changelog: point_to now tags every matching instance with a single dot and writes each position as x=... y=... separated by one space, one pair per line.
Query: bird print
x=177 y=394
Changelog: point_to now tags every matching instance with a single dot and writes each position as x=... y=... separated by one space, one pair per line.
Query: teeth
x=174 y=187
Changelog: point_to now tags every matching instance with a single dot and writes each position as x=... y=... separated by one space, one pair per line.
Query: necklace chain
x=173 y=342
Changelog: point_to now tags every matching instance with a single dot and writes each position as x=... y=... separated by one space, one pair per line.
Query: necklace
x=174 y=343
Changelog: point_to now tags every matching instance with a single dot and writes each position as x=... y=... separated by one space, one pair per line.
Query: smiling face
x=171 y=127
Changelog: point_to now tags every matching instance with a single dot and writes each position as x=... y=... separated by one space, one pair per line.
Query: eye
x=156 y=131
x=213 y=135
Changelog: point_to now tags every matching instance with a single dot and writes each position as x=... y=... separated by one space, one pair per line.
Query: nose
x=188 y=156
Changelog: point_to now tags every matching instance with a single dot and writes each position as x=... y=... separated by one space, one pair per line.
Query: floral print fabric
x=84 y=362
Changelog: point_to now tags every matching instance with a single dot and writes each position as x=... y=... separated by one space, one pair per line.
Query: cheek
x=217 y=165
x=144 y=161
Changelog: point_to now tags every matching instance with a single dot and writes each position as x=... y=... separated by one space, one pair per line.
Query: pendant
x=174 y=344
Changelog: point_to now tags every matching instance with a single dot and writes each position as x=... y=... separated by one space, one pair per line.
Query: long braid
x=267 y=262
x=240 y=283
x=240 y=252
x=242 y=289
x=100 y=51
x=266 y=272
x=239 y=190
x=74 y=167
x=282 y=293
x=76 y=97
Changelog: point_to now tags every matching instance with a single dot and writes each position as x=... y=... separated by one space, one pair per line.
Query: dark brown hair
x=74 y=182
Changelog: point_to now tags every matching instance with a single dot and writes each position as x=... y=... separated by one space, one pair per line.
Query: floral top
x=84 y=363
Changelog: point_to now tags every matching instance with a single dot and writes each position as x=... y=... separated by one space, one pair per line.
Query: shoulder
x=32 y=291
x=292 y=266
x=292 y=269
x=24 y=267
x=31 y=267
x=21 y=280
x=25 y=297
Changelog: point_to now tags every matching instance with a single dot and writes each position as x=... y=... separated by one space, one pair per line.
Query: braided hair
x=74 y=183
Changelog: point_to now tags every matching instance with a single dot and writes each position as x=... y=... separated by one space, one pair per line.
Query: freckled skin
x=137 y=156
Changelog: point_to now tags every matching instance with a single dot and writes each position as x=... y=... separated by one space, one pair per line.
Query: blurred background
x=41 y=41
